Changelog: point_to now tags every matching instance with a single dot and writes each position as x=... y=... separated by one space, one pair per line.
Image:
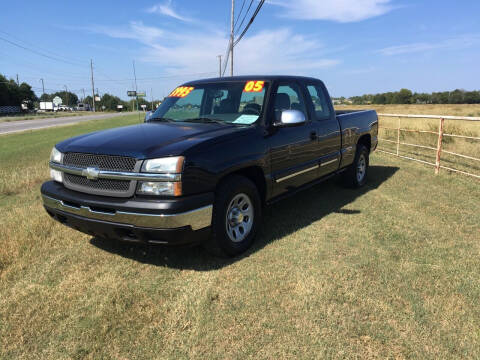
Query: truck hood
x=149 y=140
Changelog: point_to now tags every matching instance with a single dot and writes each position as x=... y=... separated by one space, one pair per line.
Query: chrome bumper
x=197 y=219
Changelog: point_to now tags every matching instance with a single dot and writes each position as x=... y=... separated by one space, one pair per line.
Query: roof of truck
x=252 y=77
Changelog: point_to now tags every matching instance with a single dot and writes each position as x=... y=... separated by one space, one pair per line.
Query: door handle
x=313 y=135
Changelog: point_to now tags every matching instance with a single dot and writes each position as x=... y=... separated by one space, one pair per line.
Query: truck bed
x=364 y=117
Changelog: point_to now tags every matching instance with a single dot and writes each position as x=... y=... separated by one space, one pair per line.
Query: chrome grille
x=101 y=162
x=100 y=184
x=105 y=187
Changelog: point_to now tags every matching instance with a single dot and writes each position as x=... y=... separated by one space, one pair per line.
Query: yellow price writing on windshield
x=181 y=91
x=254 y=86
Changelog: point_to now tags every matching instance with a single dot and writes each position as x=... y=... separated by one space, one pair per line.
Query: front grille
x=105 y=187
x=100 y=184
x=101 y=162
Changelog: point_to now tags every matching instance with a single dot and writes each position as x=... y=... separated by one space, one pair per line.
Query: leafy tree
x=404 y=96
x=380 y=99
x=472 y=97
x=440 y=97
x=68 y=98
x=11 y=94
x=456 y=97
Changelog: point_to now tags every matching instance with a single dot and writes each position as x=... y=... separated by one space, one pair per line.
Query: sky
x=354 y=46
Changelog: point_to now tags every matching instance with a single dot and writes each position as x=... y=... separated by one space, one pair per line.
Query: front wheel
x=356 y=174
x=237 y=213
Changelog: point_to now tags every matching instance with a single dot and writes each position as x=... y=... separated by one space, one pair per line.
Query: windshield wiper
x=205 y=120
x=160 y=119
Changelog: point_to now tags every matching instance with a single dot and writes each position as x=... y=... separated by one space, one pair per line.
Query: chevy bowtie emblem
x=91 y=173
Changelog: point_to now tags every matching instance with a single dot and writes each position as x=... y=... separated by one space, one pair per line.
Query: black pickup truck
x=204 y=164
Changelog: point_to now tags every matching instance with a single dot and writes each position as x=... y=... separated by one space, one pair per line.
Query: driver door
x=293 y=150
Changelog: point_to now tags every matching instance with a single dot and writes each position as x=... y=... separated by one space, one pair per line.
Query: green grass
x=39 y=116
x=388 y=271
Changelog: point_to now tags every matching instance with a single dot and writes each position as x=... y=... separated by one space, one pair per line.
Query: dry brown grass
x=422 y=109
x=457 y=127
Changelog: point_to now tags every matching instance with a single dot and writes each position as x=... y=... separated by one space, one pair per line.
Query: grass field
x=40 y=116
x=388 y=271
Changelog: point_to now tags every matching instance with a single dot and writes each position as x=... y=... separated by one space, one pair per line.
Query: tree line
x=405 y=96
x=13 y=94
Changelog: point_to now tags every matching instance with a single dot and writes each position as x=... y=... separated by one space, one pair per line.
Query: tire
x=237 y=215
x=356 y=174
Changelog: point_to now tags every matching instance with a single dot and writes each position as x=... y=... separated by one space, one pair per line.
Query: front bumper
x=175 y=221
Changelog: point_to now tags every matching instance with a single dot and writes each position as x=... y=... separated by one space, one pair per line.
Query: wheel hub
x=235 y=217
x=239 y=219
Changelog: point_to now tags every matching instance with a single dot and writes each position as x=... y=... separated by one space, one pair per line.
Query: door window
x=288 y=97
x=320 y=102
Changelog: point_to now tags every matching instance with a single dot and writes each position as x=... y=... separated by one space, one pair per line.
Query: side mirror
x=290 y=118
x=148 y=115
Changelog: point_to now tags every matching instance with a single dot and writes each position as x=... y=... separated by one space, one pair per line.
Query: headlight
x=56 y=156
x=160 y=188
x=56 y=175
x=172 y=164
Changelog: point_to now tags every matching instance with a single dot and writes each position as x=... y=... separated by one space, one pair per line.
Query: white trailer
x=47 y=106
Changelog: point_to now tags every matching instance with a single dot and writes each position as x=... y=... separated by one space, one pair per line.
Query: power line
x=249 y=23
x=240 y=12
x=37 y=52
x=44 y=50
x=226 y=57
x=157 y=77
x=244 y=17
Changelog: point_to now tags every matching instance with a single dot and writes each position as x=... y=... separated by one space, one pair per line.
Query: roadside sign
x=97 y=98
x=141 y=94
x=57 y=100
x=131 y=93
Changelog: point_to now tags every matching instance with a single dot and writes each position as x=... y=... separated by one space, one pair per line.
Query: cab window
x=320 y=102
x=288 y=97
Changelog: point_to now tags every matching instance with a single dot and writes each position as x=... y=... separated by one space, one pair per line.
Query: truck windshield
x=229 y=102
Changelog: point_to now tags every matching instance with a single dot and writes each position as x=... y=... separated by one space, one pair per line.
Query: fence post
x=439 y=146
x=398 y=137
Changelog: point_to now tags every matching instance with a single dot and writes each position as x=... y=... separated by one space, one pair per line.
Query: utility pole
x=219 y=65
x=66 y=95
x=43 y=87
x=83 y=90
x=151 y=96
x=93 y=85
x=232 y=20
x=136 y=90
x=18 y=83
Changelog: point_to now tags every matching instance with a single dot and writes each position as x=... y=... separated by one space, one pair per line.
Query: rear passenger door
x=328 y=129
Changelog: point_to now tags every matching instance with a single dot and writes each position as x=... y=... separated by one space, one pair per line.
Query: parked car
x=207 y=161
x=83 y=107
x=64 y=108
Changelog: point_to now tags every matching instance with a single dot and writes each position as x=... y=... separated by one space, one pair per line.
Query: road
x=23 y=125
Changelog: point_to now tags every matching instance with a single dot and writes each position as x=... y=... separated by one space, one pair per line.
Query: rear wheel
x=356 y=175
x=237 y=214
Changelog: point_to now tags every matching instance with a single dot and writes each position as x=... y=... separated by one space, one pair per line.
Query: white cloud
x=460 y=42
x=269 y=52
x=167 y=10
x=135 y=31
x=335 y=10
